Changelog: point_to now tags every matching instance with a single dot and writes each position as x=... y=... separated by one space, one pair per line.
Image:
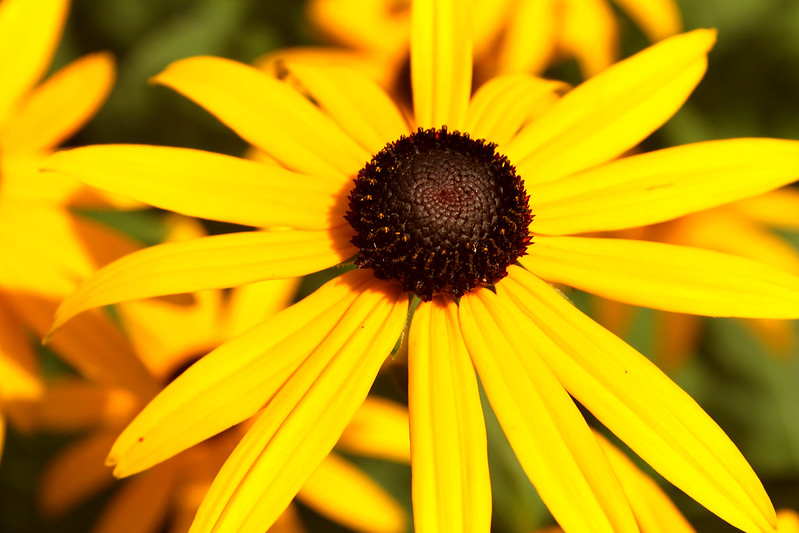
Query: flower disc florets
x=439 y=212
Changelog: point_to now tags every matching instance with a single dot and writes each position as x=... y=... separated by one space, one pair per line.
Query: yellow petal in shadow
x=76 y=474
x=543 y=425
x=302 y=423
x=207 y=263
x=343 y=493
x=665 y=276
x=268 y=114
x=142 y=504
x=637 y=402
x=451 y=488
x=441 y=62
x=613 y=111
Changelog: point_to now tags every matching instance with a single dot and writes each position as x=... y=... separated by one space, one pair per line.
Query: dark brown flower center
x=439 y=212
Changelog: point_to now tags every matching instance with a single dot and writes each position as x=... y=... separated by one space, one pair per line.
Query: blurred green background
x=751 y=89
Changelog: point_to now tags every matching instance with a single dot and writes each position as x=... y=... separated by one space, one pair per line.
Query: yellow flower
x=169 y=335
x=44 y=249
x=309 y=368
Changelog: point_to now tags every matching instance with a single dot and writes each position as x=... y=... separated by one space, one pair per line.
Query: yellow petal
x=378 y=68
x=379 y=25
x=654 y=511
x=529 y=42
x=210 y=262
x=662 y=185
x=72 y=404
x=788 y=521
x=590 y=34
x=19 y=369
x=76 y=474
x=657 y=18
x=92 y=344
x=713 y=230
x=340 y=491
x=25 y=184
x=777 y=209
x=142 y=504
x=232 y=382
x=59 y=107
x=267 y=113
x=543 y=425
x=302 y=423
x=613 y=111
x=640 y=404
x=668 y=277
x=207 y=185
x=29 y=35
x=355 y=102
x=451 y=488
x=378 y=429
x=500 y=106
x=441 y=62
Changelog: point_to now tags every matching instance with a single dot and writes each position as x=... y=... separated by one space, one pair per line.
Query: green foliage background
x=751 y=89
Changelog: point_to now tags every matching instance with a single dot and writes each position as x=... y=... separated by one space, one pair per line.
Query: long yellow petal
x=662 y=185
x=142 y=504
x=658 y=18
x=208 y=263
x=613 y=111
x=76 y=474
x=640 y=404
x=451 y=488
x=232 y=382
x=355 y=102
x=529 y=41
x=441 y=61
x=501 y=105
x=267 y=113
x=251 y=304
x=654 y=511
x=543 y=425
x=29 y=35
x=343 y=493
x=301 y=424
x=378 y=429
x=59 y=107
x=207 y=185
x=668 y=277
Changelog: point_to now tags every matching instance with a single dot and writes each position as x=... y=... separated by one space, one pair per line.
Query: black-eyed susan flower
x=44 y=248
x=439 y=215
x=168 y=335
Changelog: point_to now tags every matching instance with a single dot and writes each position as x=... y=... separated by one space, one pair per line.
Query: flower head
x=309 y=368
